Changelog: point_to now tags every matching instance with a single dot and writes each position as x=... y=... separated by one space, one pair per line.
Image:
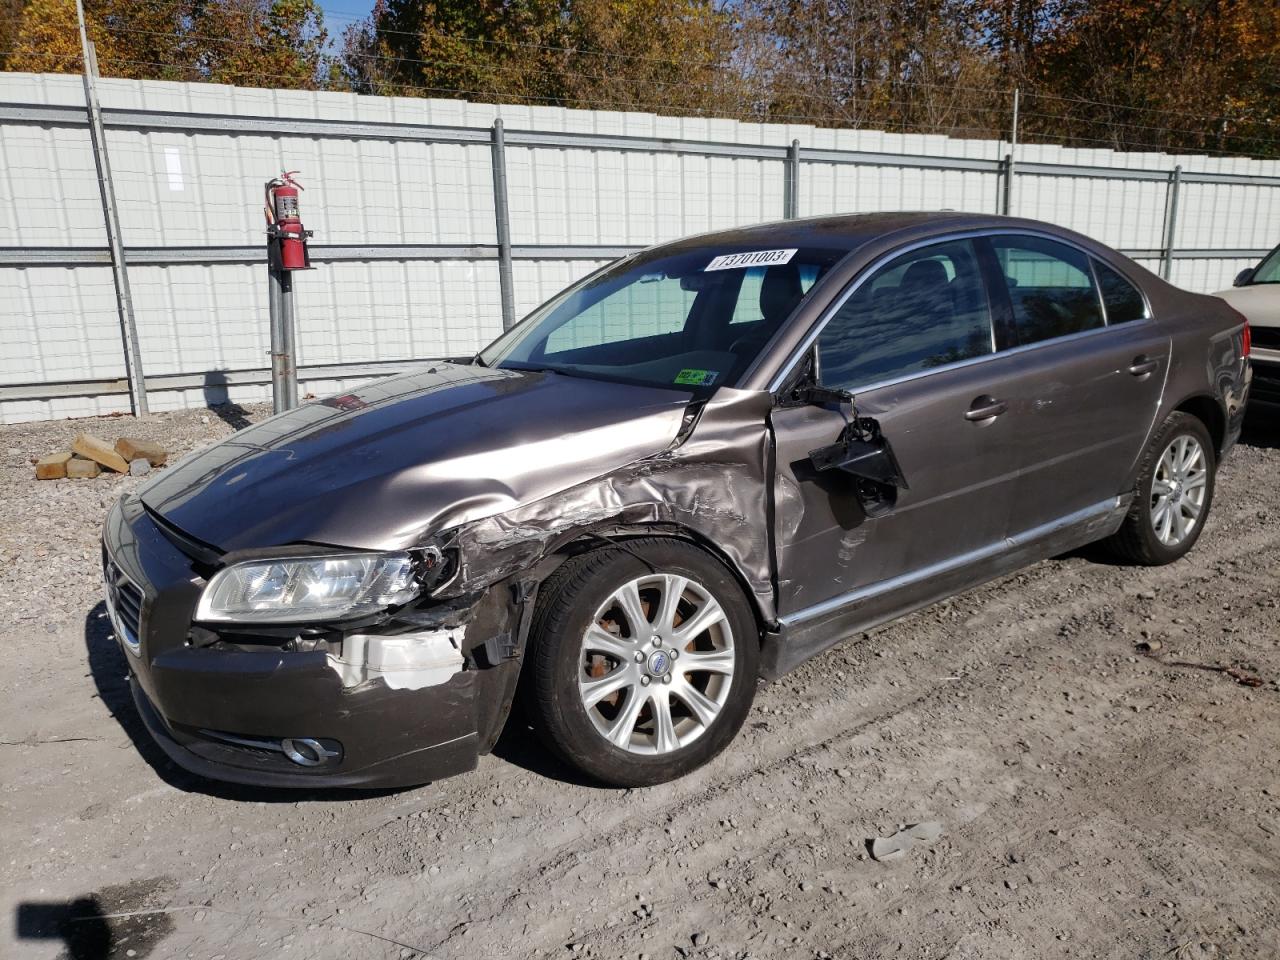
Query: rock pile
x=89 y=455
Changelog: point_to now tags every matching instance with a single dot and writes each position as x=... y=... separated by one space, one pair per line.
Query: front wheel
x=1173 y=495
x=644 y=661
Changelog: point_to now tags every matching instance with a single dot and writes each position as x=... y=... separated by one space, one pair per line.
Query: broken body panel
x=508 y=472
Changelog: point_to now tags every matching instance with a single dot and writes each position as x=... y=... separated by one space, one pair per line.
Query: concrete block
x=95 y=448
x=80 y=469
x=148 y=450
x=52 y=467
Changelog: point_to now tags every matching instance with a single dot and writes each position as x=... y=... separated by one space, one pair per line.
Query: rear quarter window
x=1122 y=299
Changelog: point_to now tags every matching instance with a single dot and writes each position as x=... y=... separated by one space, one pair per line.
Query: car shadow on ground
x=519 y=746
x=110 y=672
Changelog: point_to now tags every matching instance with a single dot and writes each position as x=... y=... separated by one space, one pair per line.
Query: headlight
x=297 y=589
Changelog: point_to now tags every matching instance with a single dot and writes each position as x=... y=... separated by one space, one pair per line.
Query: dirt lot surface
x=1095 y=801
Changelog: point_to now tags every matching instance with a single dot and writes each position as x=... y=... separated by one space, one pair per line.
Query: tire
x=598 y=705
x=1146 y=537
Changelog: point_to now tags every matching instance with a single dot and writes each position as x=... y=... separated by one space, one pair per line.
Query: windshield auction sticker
x=756 y=258
x=696 y=378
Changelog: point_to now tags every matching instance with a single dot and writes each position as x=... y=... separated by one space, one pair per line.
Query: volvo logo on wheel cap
x=659 y=662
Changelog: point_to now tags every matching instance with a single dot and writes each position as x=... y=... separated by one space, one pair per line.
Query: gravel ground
x=50 y=530
x=1095 y=801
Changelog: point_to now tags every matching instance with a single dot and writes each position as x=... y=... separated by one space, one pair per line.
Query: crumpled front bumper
x=224 y=711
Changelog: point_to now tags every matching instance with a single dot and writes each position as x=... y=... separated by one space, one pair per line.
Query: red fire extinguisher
x=284 y=222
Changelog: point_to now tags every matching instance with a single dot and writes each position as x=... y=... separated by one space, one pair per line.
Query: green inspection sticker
x=696 y=378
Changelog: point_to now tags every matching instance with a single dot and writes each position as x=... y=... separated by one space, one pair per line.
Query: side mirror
x=1243 y=277
x=863 y=453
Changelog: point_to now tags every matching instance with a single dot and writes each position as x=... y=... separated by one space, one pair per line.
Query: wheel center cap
x=659 y=663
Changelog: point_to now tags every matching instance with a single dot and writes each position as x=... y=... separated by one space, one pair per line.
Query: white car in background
x=1256 y=294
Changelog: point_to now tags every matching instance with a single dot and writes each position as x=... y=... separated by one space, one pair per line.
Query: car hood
x=1260 y=303
x=402 y=458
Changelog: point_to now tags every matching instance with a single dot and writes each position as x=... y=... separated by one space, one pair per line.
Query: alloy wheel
x=657 y=664
x=1178 y=490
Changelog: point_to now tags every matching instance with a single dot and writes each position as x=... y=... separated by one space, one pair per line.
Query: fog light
x=306 y=752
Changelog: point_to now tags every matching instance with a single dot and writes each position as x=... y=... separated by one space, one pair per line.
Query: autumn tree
x=896 y=64
x=684 y=56
x=1162 y=73
x=643 y=54
x=274 y=42
x=1172 y=74
x=490 y=49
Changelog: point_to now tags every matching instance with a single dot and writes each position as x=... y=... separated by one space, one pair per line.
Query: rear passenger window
x=922 y=310
x=1050 y=286
x=1123 y=300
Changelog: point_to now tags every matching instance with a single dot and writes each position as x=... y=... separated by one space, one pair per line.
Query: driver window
x=925 y=309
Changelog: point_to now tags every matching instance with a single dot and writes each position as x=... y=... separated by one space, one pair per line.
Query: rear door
x=914 y=343
x=1091 y=366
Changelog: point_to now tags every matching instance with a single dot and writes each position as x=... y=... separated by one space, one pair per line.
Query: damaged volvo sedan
x=694 y=469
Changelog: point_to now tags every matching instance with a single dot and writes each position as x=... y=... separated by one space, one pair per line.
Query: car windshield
x=693 y=319
x=1268 y=270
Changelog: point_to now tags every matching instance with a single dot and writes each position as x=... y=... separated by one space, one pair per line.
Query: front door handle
x=984 y=409
x=1143 y=365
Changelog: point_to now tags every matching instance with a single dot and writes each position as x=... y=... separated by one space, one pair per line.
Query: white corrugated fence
x=400 y=194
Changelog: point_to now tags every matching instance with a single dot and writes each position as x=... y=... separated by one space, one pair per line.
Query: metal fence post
x=278 y=380
x=1013 y=130
x=1006 y=205
x=1006 y=199
x=289 y=340
x=111 y=222
x=1170 y=221
x=502 y=215
x=791 y=183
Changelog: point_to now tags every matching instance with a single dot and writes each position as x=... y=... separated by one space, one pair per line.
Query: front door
x=914 y=343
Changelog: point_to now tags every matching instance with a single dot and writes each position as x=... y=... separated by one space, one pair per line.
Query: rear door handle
x=985 y=408
x=1143 y=365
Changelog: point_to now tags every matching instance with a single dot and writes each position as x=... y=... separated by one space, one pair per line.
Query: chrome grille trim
x=124 y=604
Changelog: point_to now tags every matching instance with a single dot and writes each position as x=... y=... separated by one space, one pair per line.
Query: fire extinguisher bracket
x=278 y=238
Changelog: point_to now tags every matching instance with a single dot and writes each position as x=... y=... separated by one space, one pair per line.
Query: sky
x=339 y=13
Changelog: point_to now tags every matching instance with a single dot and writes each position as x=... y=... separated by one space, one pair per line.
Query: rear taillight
x=1246 y=335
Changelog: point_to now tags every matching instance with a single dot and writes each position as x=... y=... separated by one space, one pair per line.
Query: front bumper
x=222 y=711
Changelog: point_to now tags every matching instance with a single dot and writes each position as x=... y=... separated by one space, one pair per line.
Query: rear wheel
x=644 y=663
x=1173 y=496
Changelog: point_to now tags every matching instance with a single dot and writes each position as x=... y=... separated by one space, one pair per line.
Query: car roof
x=844 y=230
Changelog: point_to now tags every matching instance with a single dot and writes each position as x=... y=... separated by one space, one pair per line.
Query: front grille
x=1266 y=337
x=124 y=603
